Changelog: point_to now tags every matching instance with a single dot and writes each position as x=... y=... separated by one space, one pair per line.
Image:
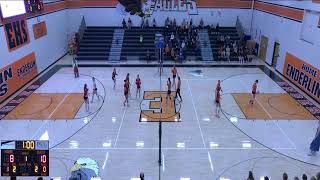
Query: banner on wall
x=16 y=75
x=39 y=30
x=17 y=34
x=303 y=75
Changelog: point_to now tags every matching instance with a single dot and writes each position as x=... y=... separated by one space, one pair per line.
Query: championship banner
x=303 y=75
x=17 y=34
x=39 y=30
x=16 y=75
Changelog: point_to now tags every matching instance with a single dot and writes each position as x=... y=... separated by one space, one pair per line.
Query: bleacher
x=132 y=49
x=215 y=44
x=95 y=44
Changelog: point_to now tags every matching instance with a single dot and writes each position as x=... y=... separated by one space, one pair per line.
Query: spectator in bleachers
x=296 y=178
x=147 y=23
x=167 y=22
x=142 y=23
x=129 y=23
x=201 y=25
x=174 y=23
x=318 y=176
x=141 y=39
x=285 y=176
x=266 y=178
x=124 y=24
x=167 y=50
x=313 y=178
x=304 y=177
x=191 y=23
x=148 y=57
x=141 y=176
x=154 y=23
x=228 y=53
x=250 y=177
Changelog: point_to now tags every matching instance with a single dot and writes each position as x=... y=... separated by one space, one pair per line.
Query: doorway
x=263 y=47
x=275 y=55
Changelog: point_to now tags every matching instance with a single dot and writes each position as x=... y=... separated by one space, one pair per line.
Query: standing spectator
x=154 y=23
x=314 y=146
x=129 y=23
x=228 y=53
x=124 y=24
x=285 y=176
x=250 y=177
x=75 y=68
x=141 y=176
x=304 y=177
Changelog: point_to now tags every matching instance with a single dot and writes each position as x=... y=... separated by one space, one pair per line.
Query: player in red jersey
x=114 y=74
x=218 y=99
x=254 y=92
x=86 y=97
x=126 y=92
x=138 y=83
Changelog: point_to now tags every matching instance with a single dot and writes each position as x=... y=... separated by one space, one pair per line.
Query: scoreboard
x=25 y=158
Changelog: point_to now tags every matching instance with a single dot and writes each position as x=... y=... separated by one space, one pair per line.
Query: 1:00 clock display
x=24 y=158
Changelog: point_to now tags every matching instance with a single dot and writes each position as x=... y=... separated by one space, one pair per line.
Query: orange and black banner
x=303 y=75
x=39 y=30
x=16 y=75
x=17 y=34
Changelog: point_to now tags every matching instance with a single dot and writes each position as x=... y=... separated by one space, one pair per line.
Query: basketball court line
x=46 y=121
x=210 y=161
x=290 y=141
x=264 y=109
x=118 y=133
x=194 y=108
x=173 y=148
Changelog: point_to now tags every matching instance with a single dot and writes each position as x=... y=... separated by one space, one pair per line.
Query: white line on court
x=210 y=161
x=194 y=108
x=46 y=121
x=133 y=148
x=285 y=134
x=265 y=110
x=163 y=164
x=118 y=133
x=105 y=161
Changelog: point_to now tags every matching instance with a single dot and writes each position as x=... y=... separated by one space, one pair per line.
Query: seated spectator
x=171 y=37
x=154 y=24
x=172 y=54
x=141 y=39
x=217 y=28
x=183 y=45
x=148 y=57
x=129 y=23
x=228 y=53
x=191 y=23
x=313 y=178
x=141 y=176
x=266 y=178
x=124 y=24
x=174 y=23
x=167 y=50
x=250 y=177
x=304 y=177
x=285 y=176
x=142 y=23
x=167 y=22
x=201 y=25
x=296 y=178
x=318 y=176
x=147 y=23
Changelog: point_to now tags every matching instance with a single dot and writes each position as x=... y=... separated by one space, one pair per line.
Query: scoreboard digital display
x=25 y=158
x=33 y=6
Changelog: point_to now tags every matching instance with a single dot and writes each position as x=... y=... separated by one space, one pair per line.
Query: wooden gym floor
x=153 y=111
x=43 y=106
x=272 y=107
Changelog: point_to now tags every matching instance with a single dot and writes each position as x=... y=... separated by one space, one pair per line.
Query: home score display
x=25 y=158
